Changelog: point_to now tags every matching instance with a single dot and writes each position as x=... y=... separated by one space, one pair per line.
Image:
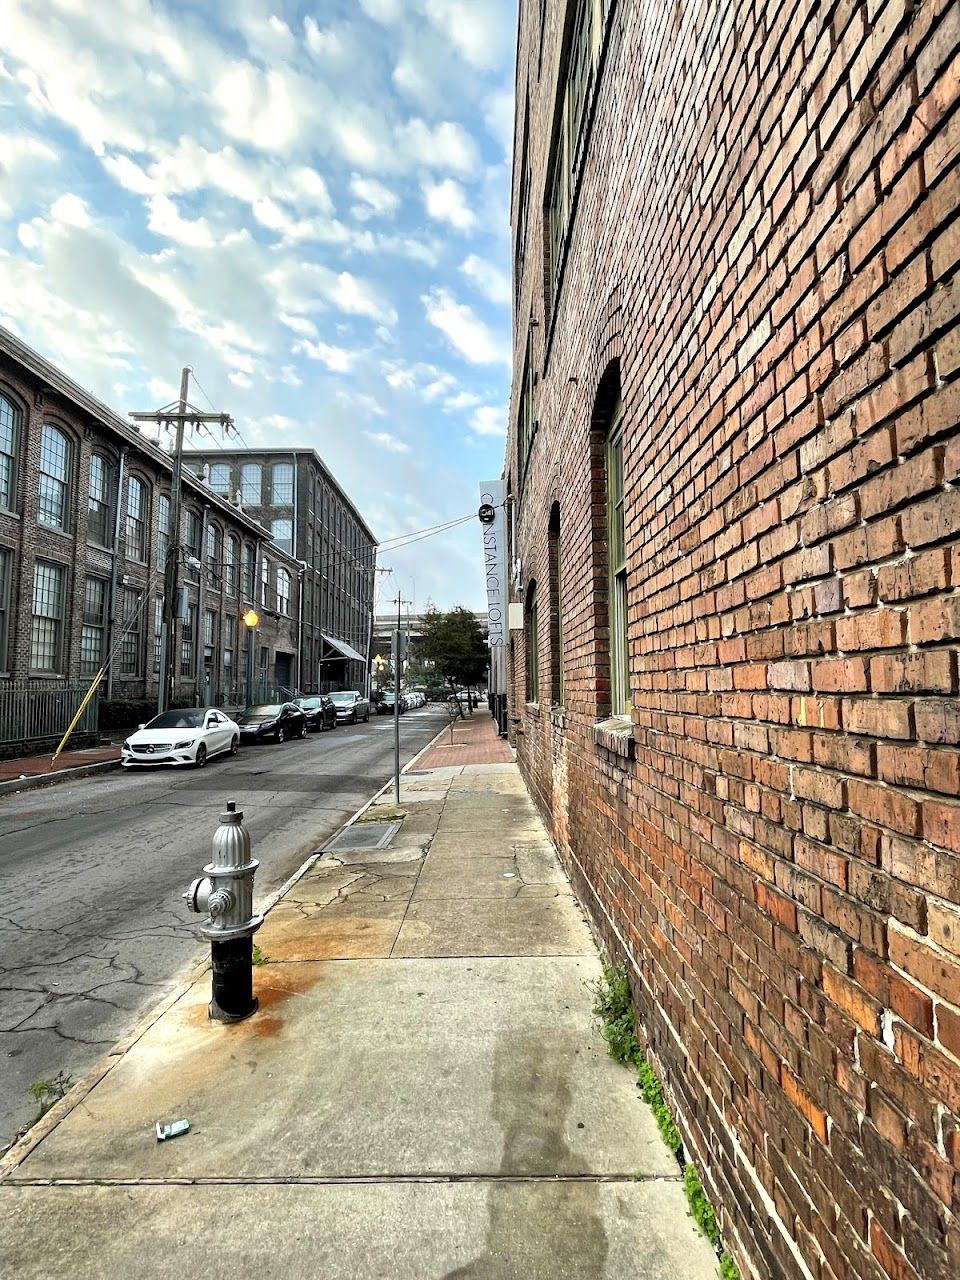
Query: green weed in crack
x=613 y=1008
x=47 y=1092
x=258 y=956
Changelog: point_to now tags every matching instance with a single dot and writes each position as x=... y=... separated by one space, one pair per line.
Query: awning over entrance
x=341 y=647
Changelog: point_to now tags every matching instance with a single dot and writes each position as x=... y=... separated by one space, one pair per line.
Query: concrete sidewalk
x=422 y=1093
x=26 y=772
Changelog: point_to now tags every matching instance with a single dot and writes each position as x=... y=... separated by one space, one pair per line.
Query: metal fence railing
x=31 y=709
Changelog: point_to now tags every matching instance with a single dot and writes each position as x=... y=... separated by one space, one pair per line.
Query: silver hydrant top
x=231 y=842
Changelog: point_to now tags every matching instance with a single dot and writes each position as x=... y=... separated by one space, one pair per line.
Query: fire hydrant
x=226 y=893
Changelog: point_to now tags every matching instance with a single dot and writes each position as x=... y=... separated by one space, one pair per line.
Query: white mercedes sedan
x=189 y=736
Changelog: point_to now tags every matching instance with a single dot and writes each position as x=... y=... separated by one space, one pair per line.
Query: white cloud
x=71 y=211
x=376 y=199
x=498 y=115
x=165 y=220
x=360 y=298
x=386 y=441
x=489 y=420
x=322 y=44
x=385 y=11
x=478 y=30
x=444 y=146
x=465 y=331
x=492 y=281
x=446 y=202
x=336 y=359
x=367 y=405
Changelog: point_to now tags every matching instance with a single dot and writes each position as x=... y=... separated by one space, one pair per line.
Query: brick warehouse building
x=734 y=510
x=84 y=532
x=294 y=495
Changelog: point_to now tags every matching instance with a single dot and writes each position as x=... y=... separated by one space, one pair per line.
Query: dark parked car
x=277 y=720
x=320 y=712
x=385 y=706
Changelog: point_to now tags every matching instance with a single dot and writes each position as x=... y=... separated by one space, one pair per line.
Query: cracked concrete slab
x=522 y=926
x=358 y=927
x=335 y=1074
x=412 y=1231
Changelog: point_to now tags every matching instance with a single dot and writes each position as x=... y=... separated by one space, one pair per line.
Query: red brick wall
x=766 y=241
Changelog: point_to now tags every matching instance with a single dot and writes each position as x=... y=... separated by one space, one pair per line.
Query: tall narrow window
x=55 y=461
x=132 y=625
x=187 y=635
x=135 y=542
x=283 y=591
x=191 y=540
x=163 y=529
x=9 y=443
x=525 y=423
x=617 y=567
x=531 y=631
x=94 y=625
x=214 y=553
x=231 y=557
x=157 y=631
x=250 y=483
x=6 y=562
x=249 y=556
x=98 y=501
x=556 y=607
x=46 y=637
x=266 y=585
x=282 y=483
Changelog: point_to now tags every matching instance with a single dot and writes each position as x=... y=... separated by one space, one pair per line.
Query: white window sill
x=616 y=736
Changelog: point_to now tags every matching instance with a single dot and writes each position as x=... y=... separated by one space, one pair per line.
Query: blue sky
x=307 y=203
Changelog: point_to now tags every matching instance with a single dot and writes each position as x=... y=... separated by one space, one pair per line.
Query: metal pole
x=165 y=691
x=396 y=709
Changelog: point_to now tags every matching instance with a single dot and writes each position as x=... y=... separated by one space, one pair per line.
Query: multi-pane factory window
x=251 y=482
x=98 y=500
x=249 y=557
x=157 y=631
x=187 y=633
x=135 y=542
x=219 y=477
x=266 y=582
x=55 y=462
x=617 y=566
x=282 y=533
x=230 y=557
x=283 y=591
x=163 y=529
x=94 y=625
x=9 y=443
x=132 y=628
x=282 y=477
x=6 y=560
x=46 y=638
x=214 y=553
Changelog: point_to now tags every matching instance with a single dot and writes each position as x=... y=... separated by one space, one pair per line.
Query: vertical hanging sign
x=494 y=563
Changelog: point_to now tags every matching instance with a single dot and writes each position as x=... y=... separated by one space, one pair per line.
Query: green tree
x=454 y=643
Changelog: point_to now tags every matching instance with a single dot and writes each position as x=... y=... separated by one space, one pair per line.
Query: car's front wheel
x=200 y=759
x=280 y=734
x=234 y=745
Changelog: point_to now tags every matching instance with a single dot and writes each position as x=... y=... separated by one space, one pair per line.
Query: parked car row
x=408 y=700
x=192 y=735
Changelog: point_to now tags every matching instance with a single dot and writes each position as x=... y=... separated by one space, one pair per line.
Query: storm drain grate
x=362 y=835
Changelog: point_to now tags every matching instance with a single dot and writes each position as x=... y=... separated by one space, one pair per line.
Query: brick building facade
x=293 y=494
x=733 y=472
x=84 y=533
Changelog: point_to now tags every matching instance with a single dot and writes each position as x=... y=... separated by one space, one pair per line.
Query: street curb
x=18 y=1153
x=33 y=781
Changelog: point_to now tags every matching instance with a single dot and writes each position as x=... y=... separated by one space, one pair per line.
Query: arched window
x=249 y=557
x=163 y=528
x=531 y=633
x=231 y=558
x=214 y=552
x=556 y=607
x=56 y=455
x=135 y=542
x=283 y=591
x=99 y=501
x=9 y=445
x=617 y=564
x=266 y=582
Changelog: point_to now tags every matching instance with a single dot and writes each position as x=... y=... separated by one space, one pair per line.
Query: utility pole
x=178 y=419
x=396 y=702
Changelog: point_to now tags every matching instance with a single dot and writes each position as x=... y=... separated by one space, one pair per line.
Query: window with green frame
x=617 y=567
x=531 y=635
x=577 y=82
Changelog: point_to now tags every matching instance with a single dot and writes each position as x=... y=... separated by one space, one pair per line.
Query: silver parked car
x=350 y=705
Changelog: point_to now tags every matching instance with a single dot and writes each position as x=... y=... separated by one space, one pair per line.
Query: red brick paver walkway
x=31 y=766
x=474 y=741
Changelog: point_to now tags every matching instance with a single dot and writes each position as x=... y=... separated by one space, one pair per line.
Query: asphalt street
x=93 y=930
